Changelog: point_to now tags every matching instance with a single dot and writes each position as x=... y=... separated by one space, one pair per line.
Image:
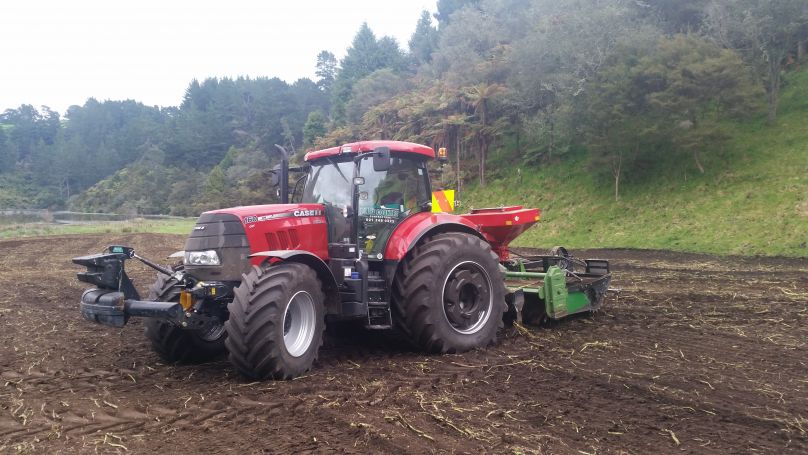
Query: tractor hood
x=278 y=226
x=254 y=214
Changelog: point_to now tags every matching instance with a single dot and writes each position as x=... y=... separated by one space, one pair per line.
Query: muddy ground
x=697 y=354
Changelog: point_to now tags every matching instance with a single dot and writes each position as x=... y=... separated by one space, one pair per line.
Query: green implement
x=549 y=287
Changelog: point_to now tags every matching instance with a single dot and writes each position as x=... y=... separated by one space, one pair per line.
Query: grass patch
x=171 y=226
x=752 y=199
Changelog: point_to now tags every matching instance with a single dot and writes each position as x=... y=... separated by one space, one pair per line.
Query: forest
x=631 y=89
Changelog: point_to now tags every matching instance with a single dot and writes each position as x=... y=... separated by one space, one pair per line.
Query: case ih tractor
x=364 y=243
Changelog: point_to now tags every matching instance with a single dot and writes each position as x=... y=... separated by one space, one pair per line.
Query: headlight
x=201 y=258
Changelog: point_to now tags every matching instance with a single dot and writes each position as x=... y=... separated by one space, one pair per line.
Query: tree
x=365 y=56
x=553 y=62
x=674 y=16
x=7 y=156
x=480 y=97
x=288 y=135
x=454 y=126
x=661 y=103
x=29 y=127
x=390 y=55
x=764 y=32
x=424 y=40
x=305 y=97
x=617 y=123
x=216 y=187
x=446 y=8
x=802 y=43
x=326 y=70
x=694 y=83
x=314 y=128
x=362 y=58
x=571 y=43
x=359 y=61
x=241 y=112
x=97 y=139
x=374 y=89
x=470 y=49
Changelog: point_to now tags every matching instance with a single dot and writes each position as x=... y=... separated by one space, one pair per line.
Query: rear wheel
x=276 y=322
x=449 y=294
x=564 y=263
x=174 y=344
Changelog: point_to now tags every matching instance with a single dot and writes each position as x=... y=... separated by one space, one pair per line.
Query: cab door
x=387 y=197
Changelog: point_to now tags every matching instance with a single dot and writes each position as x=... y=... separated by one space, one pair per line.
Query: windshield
x=329 y=182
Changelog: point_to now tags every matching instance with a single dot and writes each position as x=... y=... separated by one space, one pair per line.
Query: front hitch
x=111 y=308
x=114 y=299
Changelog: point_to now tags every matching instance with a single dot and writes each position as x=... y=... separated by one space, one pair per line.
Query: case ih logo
x=308 y=212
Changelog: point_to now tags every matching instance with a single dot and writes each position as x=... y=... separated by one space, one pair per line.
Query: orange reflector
x=186 y=300
x=508 y=223
x=537 y=218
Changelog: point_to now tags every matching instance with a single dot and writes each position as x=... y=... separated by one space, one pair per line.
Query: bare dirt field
x=697 y=354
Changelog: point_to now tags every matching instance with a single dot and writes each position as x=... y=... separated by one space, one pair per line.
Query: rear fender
x=309 y=259
x=416 y=228
x=423 y=225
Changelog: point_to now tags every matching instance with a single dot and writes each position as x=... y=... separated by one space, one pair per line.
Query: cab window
x=387 y=197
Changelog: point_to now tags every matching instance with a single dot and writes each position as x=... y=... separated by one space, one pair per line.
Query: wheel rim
x=212 y=332
x=299 y=322
x=467 y=297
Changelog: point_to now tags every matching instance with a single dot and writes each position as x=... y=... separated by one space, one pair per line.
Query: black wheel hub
x=467 y=297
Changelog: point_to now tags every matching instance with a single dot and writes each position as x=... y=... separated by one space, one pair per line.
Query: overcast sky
x=59 y=53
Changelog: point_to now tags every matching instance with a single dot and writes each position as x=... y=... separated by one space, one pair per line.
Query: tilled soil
x=695 y=354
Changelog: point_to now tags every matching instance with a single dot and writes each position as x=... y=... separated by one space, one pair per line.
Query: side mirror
x=381 y=159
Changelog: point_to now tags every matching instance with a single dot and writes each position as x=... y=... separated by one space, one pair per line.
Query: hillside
x=751 y=200
x=654 y=124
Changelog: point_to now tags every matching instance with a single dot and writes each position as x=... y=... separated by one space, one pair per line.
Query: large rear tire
x=449 y=295
x=276 y=322
x=174 y=344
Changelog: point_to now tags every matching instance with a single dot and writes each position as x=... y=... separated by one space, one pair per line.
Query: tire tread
x=412 y=302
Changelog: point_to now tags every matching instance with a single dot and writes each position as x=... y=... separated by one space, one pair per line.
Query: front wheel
x=177 y=345
x=449 y=294
x=276 y=322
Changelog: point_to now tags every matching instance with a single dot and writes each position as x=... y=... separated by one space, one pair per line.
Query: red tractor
x=363 y=243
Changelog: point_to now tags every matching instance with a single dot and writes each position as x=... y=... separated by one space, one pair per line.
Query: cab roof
x=369 y=146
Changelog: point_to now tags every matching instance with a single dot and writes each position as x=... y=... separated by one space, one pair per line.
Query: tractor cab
x=367 y=190
x=366 y=195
